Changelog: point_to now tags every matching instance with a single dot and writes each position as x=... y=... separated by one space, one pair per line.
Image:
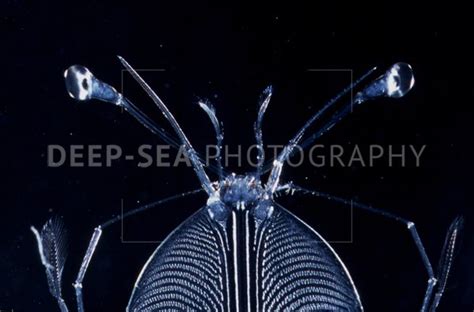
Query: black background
x=229 y=54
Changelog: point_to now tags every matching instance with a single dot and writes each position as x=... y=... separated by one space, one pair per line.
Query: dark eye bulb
x=85 y=85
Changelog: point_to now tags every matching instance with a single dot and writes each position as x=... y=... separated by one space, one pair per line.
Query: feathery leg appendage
x=52 y=249
x=446 y=259
x=437 y=282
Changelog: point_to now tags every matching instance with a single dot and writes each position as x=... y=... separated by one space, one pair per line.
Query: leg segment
x=47 y=244
x=98 y=233
x=84 y=265
x=446 y=257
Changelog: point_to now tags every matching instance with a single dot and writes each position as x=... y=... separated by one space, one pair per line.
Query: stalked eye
x=78 y=82
x=82 y=85
x=399 y=80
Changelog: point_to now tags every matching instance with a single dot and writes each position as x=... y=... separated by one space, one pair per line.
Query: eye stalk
x=82 y=85
x=397 y=81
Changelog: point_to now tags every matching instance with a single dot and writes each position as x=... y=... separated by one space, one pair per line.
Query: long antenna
x=82 y=85
x=211 y=113
x=264 y=101
x=190 y=151
x=395 y=83
x=269 y=165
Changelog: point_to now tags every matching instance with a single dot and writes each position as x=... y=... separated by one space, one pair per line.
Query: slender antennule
x=395 y=83
x=190 y=151
x=264 y=101
x=219 y=129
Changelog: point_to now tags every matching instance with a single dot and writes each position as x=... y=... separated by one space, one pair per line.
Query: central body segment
x=245 y=207
x=244 y=252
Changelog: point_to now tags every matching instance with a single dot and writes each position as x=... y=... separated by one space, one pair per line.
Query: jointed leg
x=92 y=247
x=84 y=265
x=446 y=257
